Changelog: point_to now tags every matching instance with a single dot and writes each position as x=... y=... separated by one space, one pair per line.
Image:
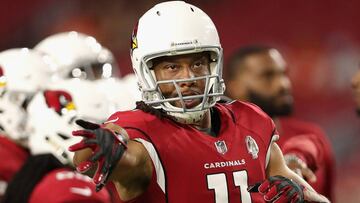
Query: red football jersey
x=67 y=186
x=15 y=157
x=310 y=143
x=191 y=166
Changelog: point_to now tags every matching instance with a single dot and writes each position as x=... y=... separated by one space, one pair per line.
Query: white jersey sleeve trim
x=274 y=138
x=160 y=175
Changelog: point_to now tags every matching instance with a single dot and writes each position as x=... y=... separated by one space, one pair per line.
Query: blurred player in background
x=184 y=147
x=355 y=83
x=47 y=175
x=123 y=92
x=79 y=56
x=258 y=74
x=82 y=56
x=23 y=73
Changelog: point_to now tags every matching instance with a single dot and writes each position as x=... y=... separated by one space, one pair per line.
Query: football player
x=258 y=74
x=82 y=56
x=180 y=145
x=79 y=56
x=18 y=84
x=47 y=175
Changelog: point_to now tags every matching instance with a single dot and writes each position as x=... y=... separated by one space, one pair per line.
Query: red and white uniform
x=308 y=142
x=191 y=167
x=12 y=158
x=67 y=186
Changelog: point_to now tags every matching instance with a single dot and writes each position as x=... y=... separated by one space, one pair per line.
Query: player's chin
x=285 y=99
x=188 y=103
x=284 y=109
x=191 y=103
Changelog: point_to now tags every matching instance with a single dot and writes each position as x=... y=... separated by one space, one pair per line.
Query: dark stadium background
x=320 y=40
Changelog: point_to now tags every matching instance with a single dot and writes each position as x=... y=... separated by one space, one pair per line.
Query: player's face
x=355 y=82
x=267 y=83
x=182 y=67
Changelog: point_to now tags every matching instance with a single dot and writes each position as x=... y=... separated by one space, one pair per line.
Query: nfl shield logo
x=221 y=146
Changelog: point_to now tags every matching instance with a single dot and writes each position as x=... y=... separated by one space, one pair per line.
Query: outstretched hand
x=107 y=149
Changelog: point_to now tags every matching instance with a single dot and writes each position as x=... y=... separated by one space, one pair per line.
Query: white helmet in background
x=2 y=81
x=79 y=56
x=52 y=114
x=92 y=103
x=122 y=92
x=25 y=72
x=176 y=28
x=131 y=83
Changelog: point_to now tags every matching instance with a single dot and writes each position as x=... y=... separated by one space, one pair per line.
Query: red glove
x=107 y=149
x=281 y=190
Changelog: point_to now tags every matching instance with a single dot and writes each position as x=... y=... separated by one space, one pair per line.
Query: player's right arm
x=132 y=170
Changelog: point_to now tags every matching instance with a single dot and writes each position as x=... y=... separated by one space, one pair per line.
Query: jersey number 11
x=218 y=183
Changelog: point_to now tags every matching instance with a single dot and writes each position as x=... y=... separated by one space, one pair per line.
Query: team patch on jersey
x=221 y=146
x=252 y=147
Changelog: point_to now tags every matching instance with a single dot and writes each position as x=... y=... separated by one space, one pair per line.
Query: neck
x=205 y=122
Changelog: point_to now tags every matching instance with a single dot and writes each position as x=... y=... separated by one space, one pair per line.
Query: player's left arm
x=277 y=167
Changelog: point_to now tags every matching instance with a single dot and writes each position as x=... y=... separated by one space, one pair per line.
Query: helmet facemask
x=176 y=28
x=214 y=86
x=79 y=56
x=52 y=135
x=13 y=116
x=91 y=71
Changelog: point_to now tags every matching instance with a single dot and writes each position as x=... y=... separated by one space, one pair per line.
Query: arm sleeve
x=132 y=122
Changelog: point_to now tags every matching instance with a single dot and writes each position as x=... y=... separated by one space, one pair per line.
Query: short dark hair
x=234 y=64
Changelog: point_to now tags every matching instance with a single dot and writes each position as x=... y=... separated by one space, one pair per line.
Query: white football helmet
x=79 y=56
x=123 y=92
x=25 y=72
x=52 y=114
x=92 y=103
x=2 y=81
x=176 y=28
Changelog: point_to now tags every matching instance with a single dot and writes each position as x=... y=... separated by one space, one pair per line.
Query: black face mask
x=267 y=104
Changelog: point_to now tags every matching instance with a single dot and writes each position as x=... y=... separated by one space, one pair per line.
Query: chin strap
x=188 y=117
